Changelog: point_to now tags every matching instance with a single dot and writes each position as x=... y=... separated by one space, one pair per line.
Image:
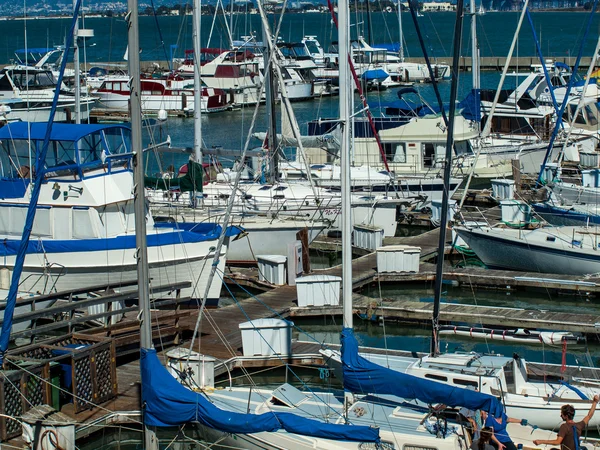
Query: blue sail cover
x=9 y=247
x=362 y=376
x=168 y=403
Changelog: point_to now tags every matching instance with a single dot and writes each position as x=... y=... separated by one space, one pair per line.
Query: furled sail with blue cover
x=362 y=376
x=168 y=403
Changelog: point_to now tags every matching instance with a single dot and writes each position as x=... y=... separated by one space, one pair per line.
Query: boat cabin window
x=285 y=74
x=14 y=158
x=5 y=84
x=462 y=382
x=118 y=141
x=33 y=79
x=312 y=47
x=61 y=154
x=462 y=148
x=432 y=376
x=395 y=152
x=428 y=155
x=586 y=115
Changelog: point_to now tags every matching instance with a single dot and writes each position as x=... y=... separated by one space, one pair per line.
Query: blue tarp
x=10 y=188
x=168 y=403
x=60 y=131
x=9 y=247
x=200 y=227
x=393 y=47
x=362 y=376
x=374 y=74
x=471 y=106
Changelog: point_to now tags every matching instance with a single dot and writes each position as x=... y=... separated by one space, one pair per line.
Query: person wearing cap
x=570 y=431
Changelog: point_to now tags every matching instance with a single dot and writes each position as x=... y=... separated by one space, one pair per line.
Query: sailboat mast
x=475 y=59
x=196 y=16
x=76 y=67
x=400 y=31
x=139 y=200
x=344 y=99
x=270 y=102
x=447 y=173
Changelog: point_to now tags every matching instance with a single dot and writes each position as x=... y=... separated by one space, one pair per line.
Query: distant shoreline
x=100 y=16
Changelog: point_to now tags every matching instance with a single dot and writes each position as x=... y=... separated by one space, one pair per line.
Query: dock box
x=398 y=258
x=515 y=212
x=46 y=428
x=368 y=237
x=590 y=178
x=266 y=337
x=589 y=159
x=271 y=268
x=436 y=211
x=503 y=189
x=318 y=290
x=198 y=369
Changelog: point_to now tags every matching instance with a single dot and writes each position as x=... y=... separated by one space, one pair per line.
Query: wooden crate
x=21 y=390
x=92 y=363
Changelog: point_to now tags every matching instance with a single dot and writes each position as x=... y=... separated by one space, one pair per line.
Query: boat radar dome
x=162 y=115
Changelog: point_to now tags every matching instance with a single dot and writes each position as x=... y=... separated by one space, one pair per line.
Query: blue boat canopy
x=168 y=403
x=60 y=131
x=363 y=376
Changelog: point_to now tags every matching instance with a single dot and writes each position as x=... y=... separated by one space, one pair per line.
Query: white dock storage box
x=436 y=211
x=515 y=212
x=318 y=290
x=503 y=189
x=266 y=337
x=200 y=367
x=368 y=237
x=271 y=268
x=590 y=178
x=589 y=159
x=398 y=258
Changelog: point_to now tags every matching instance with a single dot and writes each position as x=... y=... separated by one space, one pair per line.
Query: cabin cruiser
x=240 y=73
x=175 y=96
x=83 y=232
x=34 y=88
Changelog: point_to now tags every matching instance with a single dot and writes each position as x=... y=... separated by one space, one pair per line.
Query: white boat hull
x=504 y=249
x=53 y=272
x=64 y=112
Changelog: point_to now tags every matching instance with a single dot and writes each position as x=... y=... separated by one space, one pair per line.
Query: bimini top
x=60 y=131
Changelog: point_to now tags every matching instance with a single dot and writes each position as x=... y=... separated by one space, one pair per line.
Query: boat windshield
x=33 y=79
x=67 y=157
x=312 y=47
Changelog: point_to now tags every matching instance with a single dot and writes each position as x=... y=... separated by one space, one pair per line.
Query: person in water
x=570 y=431
x=483 y=443
x=501 y=440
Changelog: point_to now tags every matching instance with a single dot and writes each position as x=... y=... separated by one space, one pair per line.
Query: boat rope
x=162 y=41
x=559 y=116
x=31 y=210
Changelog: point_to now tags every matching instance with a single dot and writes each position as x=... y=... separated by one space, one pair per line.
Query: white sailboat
x=523 y=394
x=288 y=418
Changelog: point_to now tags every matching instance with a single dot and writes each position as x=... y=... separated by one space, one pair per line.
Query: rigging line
x=488 y=124
x=35 y=194
x=230 y=204
x=559 y=117
x=298 y=377
x=275 y=312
